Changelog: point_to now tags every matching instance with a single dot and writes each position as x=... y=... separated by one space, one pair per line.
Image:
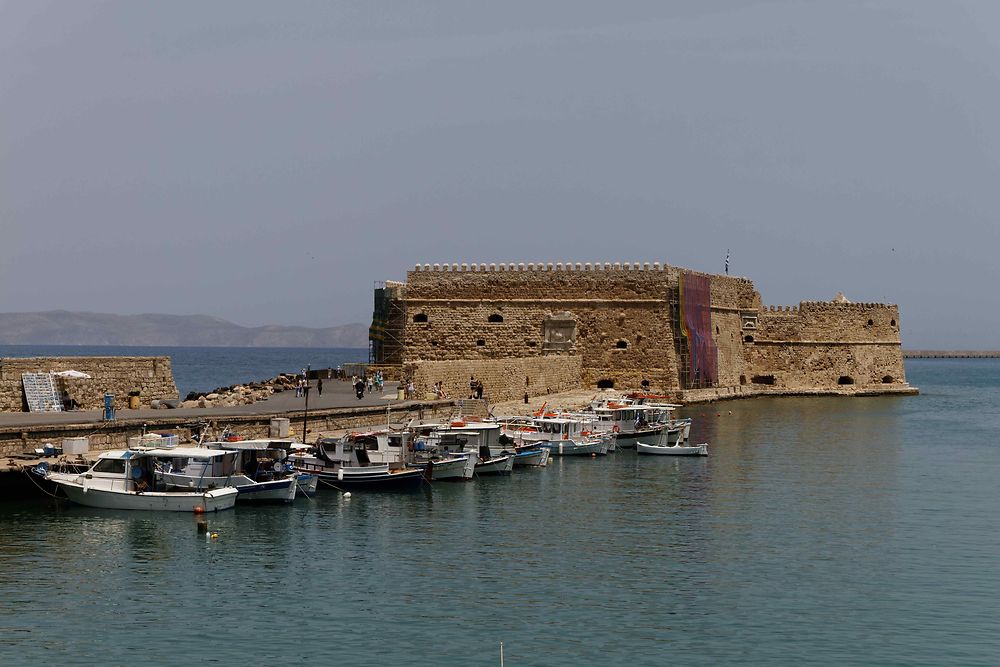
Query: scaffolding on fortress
x=694 y=346
x=385 y=335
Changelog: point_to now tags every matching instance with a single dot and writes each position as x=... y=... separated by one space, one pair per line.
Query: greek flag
x=727 y=261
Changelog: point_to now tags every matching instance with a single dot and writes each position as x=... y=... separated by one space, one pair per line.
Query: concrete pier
x=950 y=354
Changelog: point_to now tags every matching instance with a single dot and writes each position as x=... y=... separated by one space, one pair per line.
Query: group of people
x=475 y=387
x=368 y=383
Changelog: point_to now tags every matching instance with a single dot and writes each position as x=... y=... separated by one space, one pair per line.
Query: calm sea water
x=205 y=368
x=818 y=531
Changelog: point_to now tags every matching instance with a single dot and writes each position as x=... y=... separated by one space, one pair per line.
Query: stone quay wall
x=622 y=321
x=115 y=434
x=152 y=377
x=505 y=379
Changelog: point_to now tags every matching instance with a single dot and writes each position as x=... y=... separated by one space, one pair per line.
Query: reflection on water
x=819 y=530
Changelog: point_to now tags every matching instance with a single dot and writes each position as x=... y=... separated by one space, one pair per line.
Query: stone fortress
x=542 y=328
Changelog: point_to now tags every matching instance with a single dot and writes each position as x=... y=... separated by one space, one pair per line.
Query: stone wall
x=151 y=376
x=503 y=379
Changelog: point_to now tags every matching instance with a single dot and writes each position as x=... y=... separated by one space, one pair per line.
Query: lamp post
x=305 y=414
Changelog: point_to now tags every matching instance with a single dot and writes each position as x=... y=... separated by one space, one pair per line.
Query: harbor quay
x=24 y=434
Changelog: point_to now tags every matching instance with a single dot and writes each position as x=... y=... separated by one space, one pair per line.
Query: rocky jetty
x=239 y=394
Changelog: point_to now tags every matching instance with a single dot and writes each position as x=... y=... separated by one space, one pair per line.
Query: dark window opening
x=762 y=379
x=645 y=383
x=886 y=379
x=748 y=339
x=871 y=322
x=495 y=317
x=845 y=379
x=622 y=344
x=480 y=342
x=435 y=343
x=532 y=343
x=716 y=330
x=743 y=379
x=892 y=323
x=420 y=317
x=606 y=383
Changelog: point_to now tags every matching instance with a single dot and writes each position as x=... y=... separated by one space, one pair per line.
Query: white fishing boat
x=567 y=436
x=527 y=451
x=488 y=464
x=343 y=464
x=673 y=450
x=447 y=453
x=665 y=448
x=628 y=422
x=534 y=457
x=262 y=472
x=126 y=480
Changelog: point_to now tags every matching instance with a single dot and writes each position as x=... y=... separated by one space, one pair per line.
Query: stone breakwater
x=239 y=394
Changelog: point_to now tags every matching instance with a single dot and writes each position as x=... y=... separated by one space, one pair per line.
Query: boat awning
x=186 y=452
x=254 y=445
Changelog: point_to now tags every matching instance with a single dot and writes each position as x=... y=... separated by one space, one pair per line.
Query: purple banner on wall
x=696 y=320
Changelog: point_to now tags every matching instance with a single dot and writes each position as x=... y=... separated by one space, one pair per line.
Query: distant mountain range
x=60 y=327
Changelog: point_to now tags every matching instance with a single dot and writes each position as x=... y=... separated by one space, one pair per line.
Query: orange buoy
x=198 y=509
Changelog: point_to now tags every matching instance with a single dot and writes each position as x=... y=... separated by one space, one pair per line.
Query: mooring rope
x=31 y=477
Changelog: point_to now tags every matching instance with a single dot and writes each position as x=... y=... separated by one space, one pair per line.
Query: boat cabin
x=260 y=460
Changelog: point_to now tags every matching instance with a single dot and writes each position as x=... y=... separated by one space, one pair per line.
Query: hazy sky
x=266 y=162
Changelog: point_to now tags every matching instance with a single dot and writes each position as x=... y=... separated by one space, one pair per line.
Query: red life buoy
x=615 y=429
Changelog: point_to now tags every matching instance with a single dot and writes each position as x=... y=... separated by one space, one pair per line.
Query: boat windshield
x=116 y=466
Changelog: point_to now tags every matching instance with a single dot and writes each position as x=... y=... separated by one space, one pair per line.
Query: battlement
x=553 y=267
x=844 y=306
x=808 y=307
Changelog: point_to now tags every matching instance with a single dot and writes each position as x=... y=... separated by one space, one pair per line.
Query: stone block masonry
x=503 y=379
x=152 y=377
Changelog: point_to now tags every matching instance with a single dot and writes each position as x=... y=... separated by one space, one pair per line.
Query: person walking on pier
x=319 y=386
x=359 y=388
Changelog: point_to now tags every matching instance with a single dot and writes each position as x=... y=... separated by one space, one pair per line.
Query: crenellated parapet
x=832 y=321
x=560 y=281
x=553 y=267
